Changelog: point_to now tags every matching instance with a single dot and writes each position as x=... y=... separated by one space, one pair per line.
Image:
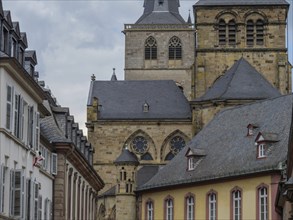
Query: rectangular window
x=30 y=126
x=261 y=151
x=150 y=211
x=263 y=203
x=36 y=200
x=9 y=109
x=21 y=56
x=17 y=193
x=13 y=48
x=37 y=130
x=2 y=186
x=190 y=208
x=212 y=206
x=5 y=41
x=191 y=164
x=236 y=205
x=54 y=163
x=40 y=208
x=169 y=209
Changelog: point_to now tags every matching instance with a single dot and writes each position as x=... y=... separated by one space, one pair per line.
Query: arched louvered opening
x=232 y=32
x=222 y=32
x=150 y=49
x=259 y=32
x=249 y=33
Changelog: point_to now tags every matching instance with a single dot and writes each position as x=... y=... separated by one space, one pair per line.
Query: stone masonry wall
x=108 y=139
x=270 y=59
x=181 y=71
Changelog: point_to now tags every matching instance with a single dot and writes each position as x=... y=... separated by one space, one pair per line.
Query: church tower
x=160 y=46
x=233 y=29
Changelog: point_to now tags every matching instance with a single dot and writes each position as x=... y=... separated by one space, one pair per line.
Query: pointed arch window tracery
x=175 y=48
x=150 y=49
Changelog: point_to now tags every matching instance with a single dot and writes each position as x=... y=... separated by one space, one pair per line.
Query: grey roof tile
x=229 y=151
x=49 y=128
x=125 y=99
x=240 y=2
x=241 y=81
x=165 y=13
x=145 y=173
x=126 y=157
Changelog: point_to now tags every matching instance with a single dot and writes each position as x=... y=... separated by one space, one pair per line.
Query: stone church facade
x=178 y=75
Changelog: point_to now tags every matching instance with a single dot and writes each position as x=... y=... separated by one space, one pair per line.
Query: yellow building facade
x=224 y=198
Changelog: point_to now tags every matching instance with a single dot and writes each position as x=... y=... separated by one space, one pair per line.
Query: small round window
x=177 y=143
x=139 y=145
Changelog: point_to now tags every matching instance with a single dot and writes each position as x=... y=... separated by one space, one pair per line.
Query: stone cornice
x=81 y=164
x=240 y=50
x=158 y=27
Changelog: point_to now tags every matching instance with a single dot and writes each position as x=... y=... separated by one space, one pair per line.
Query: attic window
x=250 y=129
x=191 y=163
x=161 y=2
x=146 y=107
x=261 y=151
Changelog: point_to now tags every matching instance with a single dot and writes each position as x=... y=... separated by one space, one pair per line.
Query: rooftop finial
x=189 y=18
x=114 y=78
x=93 y=77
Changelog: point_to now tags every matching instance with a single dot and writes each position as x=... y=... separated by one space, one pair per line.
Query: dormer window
x=250 y=129
x=191 y=163
x=262 y=140
x=146 y=107
x=161 y=2
x=194 y=157
x=261 y=150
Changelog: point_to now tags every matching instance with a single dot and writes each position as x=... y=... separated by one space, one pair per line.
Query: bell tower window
x=255 y=32
x=222 y=32
x=259 y=32
x=232 y=32
x=150 y=49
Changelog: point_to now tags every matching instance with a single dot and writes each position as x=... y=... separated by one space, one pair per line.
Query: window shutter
x=18 y=186
x=21 y=118
x=54 y=164
x=31 y=199
x=1 y=187
x=37 y=130
x=11 y=192
x=9 y=109
x=46 y=209
x=40 y=208
x=36 y=200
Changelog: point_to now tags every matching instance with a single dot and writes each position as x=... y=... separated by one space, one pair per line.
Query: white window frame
x=17 y=187
x=212 y=206
x=169 y=209
x=150 y=210
x=54 y=161
x=3 y=169
x=263 y=203
x=236 y=205
x=9 y=107
x=190 y=208
x=261 y=150
x=191 y=163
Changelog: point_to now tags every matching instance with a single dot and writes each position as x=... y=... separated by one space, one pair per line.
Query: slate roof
x=165 y=13
x=49 y=128
x=241 y=81
x=229 y=151
x=240 y=2
x=126 y=157
x=125 y=99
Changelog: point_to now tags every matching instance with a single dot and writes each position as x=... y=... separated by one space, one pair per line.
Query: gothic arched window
x=150 y=49
x=175 y=48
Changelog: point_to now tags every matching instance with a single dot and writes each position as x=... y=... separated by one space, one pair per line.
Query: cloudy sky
x=75 y=39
